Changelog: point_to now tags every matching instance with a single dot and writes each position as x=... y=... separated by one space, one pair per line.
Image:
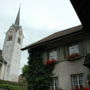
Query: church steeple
x=12 y=50
x=16 y=25
x=17 y=21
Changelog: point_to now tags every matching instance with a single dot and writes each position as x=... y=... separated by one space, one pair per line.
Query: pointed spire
x=17 y=21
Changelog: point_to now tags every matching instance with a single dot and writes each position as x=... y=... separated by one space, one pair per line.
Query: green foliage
x=37 y=74
x=25 y=71
x=12 y=87
x=9 y=82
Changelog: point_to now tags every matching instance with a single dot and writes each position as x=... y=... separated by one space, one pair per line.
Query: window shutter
x=82 y=48
x=65 y=51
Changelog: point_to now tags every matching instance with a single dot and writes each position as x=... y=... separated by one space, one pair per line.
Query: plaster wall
x=65 y=68
x=12 y=54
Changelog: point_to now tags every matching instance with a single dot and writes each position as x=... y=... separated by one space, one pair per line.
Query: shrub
x=12 y=87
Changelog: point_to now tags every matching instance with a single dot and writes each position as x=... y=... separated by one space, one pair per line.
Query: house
x=71 y=49
x=82 y=8
x=2 y=66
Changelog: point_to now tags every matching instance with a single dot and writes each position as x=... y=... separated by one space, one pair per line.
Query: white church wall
x=16 y=59
x=11 y=50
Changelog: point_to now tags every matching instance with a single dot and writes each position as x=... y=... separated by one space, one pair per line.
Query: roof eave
x=49 y=41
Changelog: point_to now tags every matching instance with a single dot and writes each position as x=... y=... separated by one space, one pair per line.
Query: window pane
x=54 y=83
x=53 y=55
x=73 y=49
x=77 y=80
x=80 y=79
x=74 y=81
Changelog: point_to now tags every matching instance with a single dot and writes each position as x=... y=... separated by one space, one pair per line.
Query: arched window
x=9 y=38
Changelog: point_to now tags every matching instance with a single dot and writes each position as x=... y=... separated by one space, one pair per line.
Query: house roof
x=55 y=36
x=82 y=8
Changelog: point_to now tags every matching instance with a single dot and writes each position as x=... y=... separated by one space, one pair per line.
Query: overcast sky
x=38 y=18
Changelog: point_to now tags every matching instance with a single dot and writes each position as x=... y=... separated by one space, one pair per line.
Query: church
x=11 y=53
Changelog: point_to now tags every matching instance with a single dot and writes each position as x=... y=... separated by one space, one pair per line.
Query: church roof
x=82 y=8
x=16 y=25
x=17 y=21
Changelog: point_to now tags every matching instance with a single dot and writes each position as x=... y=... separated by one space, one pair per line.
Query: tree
x=25 y=71
x=38 y=75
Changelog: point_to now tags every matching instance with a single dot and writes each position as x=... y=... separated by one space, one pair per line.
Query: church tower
x=12 y=50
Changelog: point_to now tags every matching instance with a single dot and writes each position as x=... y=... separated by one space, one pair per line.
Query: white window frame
x=73 y=47
x=77 y=76
x=54 y=83
x=51 y=54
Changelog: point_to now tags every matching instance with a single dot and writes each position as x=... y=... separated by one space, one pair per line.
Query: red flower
x=49 y=62
x=83 y=88
x=86 y=88
x=74 y=55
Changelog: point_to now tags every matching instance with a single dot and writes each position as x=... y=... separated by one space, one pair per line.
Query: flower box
x=86 y=88
x=73 y=56
x=81 y=88
x=50 y=62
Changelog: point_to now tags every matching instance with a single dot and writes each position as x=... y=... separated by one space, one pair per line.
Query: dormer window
x=19 y=40
x=9 y=38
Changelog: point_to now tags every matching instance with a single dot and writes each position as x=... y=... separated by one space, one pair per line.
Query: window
x=73 y=51
x=54 y=83
x=77 y=81
x=19 y=41
x=9 y=38
x=52 y=55
x=88 y=78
